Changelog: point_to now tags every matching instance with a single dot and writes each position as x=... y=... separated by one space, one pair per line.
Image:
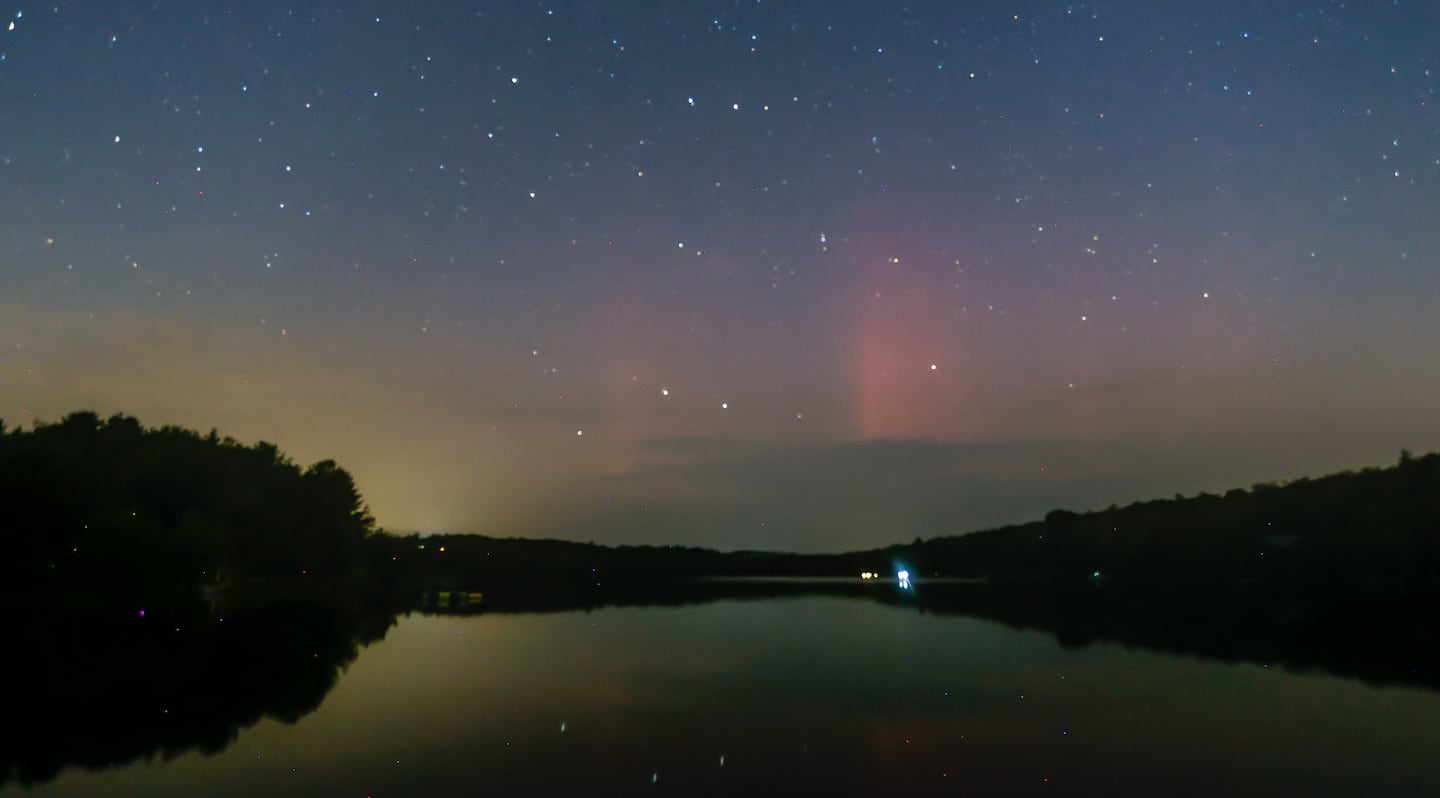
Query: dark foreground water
x=796 y=696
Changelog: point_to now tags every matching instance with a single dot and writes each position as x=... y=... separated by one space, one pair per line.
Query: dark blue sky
x=781 y=274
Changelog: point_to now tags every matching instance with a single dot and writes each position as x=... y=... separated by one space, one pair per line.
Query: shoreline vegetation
x=185 y=561
x=105 y=508
x=106 y=515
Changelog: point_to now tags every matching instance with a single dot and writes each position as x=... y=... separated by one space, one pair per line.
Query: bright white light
x=904 y=578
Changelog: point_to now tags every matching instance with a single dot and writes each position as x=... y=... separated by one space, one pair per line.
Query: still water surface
x=809 y=694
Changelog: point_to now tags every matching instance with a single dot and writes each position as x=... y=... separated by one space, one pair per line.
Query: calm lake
x=808 y=693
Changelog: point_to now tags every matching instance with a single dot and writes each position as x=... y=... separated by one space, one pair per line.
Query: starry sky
x=781 y=274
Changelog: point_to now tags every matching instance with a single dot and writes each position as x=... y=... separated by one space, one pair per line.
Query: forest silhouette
x=221 y=583
x=109 y=511
x=111 y=517
x=166 y=589
x=1370 y=532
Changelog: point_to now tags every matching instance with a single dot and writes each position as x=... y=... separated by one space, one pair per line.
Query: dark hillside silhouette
x=220 y=583
x=1374 y=531
x=165 y=589
x=111 y=516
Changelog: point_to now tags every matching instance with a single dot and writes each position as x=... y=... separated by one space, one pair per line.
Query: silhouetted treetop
x=107 y=508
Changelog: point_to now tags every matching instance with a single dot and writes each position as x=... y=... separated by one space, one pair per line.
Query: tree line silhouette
x=195 y=560
x=106 y=508
x=1375 y=531
x=105 y=513
x=215 y=583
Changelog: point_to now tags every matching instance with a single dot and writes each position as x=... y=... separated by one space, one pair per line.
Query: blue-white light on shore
x=903 y=577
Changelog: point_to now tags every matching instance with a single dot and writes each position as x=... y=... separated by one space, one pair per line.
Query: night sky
x=795 y=275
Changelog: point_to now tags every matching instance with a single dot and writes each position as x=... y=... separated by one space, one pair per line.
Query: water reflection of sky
x=812 y=693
